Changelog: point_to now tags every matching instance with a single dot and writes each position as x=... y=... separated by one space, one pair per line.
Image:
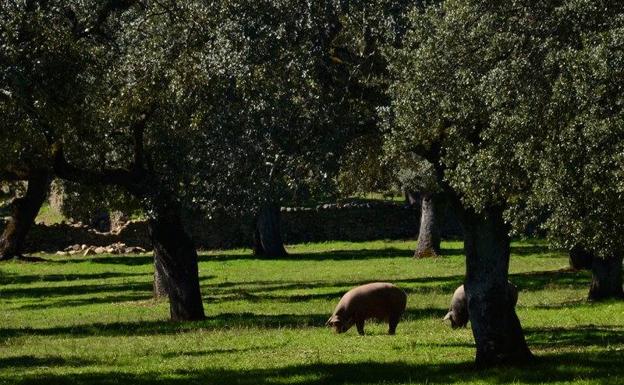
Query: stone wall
x=349 y=222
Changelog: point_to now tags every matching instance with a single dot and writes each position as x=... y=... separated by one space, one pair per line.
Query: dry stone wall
x=348 y=222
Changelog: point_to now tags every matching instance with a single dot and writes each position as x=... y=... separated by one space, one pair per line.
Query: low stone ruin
x=115 y=248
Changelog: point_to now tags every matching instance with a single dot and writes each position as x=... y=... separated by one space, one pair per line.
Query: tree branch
x=117 y=177
x=9 y=176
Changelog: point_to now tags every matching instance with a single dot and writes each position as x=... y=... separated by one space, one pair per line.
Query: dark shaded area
x=6 y=279
x=337 y=255
x=210 y=352
x=59 y=291
x=254 y=291
x=535 y=281
x=580 y=336
x=567 y=337
x=142 y=328
x=127 y=260
x=533 y=249
x=85 y=301
x=32 y=362
x=605 y=368
x=219 y=321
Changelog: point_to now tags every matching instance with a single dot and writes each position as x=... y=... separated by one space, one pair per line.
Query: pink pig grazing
x=379 y=300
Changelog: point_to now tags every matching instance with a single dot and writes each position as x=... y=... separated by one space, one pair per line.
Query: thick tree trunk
x=429 y=233
x=160 y=280
x=580 y=258
x=495 y=325
x=175 y=252
x=606 y=279
x=25 y=210
x=267 y=236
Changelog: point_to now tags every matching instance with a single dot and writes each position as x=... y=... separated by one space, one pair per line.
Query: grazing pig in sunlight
x=379 y=300
x=458 y=311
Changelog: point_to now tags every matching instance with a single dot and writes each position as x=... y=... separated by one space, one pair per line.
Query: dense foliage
x=520 y=104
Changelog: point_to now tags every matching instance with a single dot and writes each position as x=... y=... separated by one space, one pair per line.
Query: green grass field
x=90 y=320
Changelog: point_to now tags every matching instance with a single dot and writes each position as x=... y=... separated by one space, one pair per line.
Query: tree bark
x=606 y=279
x=580 y=258
x=175 y=252
x=429 y=232
x=160 y=280
x=496 y=328
x=267 y=236
x=25 y=210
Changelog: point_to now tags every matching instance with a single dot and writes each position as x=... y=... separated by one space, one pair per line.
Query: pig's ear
x=447 y=316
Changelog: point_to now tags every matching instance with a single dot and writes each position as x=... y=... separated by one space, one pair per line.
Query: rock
x=74 y=252
x=83 y=247
x=110 y=250
x=135 y=250
x=89 y=251
x=100 y=250
x=62 y=253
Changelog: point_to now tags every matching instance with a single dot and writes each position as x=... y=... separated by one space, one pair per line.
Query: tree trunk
x=175 y=252
x=429 y=233
x=160 y=280
x=411 y=198
x=495 y=325
x=606 y=279
x=25 y=210
x=580 y=258
x=267 y=236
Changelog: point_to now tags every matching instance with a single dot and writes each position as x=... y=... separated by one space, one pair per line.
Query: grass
x=90 y=320
x=49 y=215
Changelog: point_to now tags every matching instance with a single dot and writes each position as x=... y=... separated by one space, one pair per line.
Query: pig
x=458 y=311
x=379 y=300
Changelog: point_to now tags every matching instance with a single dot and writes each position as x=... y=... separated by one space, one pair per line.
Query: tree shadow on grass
x=20 y=279
x=126 y=260
x=142 y=328
x=65 y=303
x=575 y=337
x=536 y=281
x=451 y=252
x=336 y=255
x=211 y=352
x=523 y=250
x=603 y=368
x=137 y=260
x=564 y=337
x=29 y=361
x=214 y=322
x=60 y=291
